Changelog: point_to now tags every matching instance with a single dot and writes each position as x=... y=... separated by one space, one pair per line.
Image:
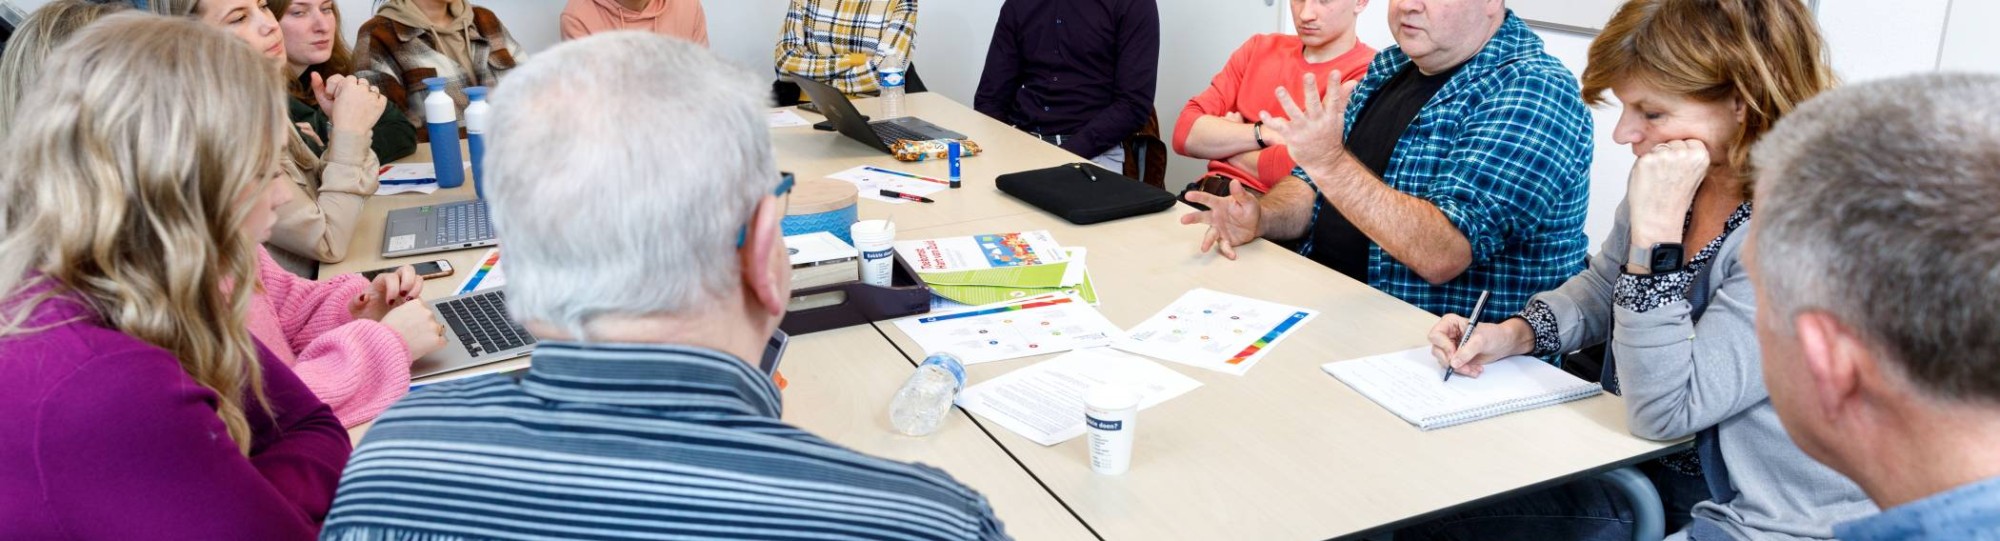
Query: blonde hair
x=1768 y=54
x=127 y=170
x=41 y=33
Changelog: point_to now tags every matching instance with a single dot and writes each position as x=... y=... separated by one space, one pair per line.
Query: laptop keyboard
x=891 y=132
x=463 y=222
x=481 y=323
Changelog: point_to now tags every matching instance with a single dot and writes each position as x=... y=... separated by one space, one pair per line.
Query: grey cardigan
x=1679 y=378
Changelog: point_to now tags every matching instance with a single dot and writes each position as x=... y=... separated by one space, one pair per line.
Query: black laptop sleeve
x=1084 y=193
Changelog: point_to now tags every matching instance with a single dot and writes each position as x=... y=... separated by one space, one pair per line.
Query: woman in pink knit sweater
x=349 y=340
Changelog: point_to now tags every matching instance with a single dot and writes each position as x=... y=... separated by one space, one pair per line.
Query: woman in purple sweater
x=133 y=402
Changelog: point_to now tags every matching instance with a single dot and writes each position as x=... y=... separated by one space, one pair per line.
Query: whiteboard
x=1969 y=41
x=1587 y=16
x=1576 y=15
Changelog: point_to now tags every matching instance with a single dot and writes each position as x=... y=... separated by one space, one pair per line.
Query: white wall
x=1868 y=40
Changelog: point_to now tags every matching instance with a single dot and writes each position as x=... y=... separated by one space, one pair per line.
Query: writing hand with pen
x=1489 y=342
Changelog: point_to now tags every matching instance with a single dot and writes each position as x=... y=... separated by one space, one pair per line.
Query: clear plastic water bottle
x=441 y=116
x=478 y=119
x=889 y=77
x=924 y=400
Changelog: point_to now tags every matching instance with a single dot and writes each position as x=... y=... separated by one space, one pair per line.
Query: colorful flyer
x=1032 y=260
x=486 y=276
x=1218 y=331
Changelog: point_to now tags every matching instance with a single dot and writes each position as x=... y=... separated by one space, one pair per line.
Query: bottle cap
x=477 y=93
x=1111 y=397
x=434 y=84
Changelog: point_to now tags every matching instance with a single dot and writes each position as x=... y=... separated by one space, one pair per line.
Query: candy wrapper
x=935 y=149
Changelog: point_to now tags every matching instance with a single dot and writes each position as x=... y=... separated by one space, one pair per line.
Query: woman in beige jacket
x=317 y=225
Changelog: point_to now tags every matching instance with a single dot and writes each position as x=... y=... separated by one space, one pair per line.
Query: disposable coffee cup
x=1109 y=415
x=876 y=240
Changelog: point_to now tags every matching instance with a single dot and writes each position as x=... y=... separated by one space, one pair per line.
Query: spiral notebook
x=1410 y=384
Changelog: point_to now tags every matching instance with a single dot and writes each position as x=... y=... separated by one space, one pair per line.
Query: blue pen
x=409 y=181
x=902 y=174
x=1474 y=324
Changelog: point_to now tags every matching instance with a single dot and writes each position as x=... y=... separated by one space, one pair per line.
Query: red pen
x=901 y=195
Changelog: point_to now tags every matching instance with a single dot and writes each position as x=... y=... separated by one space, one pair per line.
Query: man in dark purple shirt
x=1080 y=74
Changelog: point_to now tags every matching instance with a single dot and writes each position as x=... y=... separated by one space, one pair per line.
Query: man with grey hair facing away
x=1877 y=265
x=643 y=248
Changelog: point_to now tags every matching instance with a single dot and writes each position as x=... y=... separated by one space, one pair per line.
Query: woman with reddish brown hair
x=316 y=51
x=1668 y=296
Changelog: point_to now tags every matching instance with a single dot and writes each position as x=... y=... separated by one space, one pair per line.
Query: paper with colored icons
x=1218 y=331
x=1042 y=324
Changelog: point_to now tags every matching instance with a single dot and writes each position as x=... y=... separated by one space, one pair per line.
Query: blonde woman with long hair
x=142 y=169
x=329 y=189
x=48 y=27
x=1668 y=295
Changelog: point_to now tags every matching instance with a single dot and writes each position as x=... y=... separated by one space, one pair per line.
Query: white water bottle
x=889 y=77
x=478 y=119
x=920 y=406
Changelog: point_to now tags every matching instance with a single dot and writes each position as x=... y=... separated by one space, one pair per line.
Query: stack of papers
x=1001 y=267
x=1044 y=402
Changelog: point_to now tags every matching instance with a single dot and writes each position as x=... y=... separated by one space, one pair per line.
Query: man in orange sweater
x=678 y=18
x=1223 y=125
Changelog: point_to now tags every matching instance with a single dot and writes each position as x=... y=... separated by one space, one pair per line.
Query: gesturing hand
x=1232 y=220
x=1662 y=189
x=389 y=290
x=1315 y=134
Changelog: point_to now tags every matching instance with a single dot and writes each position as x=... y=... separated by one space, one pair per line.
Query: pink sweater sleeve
x=359 y=367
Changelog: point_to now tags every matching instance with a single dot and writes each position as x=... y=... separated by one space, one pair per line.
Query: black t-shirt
x=1336 y=243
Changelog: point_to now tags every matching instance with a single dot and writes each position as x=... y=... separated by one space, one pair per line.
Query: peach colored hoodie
x=678 y=18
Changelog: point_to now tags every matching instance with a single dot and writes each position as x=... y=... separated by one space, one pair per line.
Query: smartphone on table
x=428 y=270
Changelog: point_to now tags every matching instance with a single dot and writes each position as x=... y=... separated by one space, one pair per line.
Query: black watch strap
x=1257 y=131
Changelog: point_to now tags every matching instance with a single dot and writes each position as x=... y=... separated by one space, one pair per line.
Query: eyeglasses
x=785 y=182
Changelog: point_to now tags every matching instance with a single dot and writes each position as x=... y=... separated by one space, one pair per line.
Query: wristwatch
x=1257 y=131
x=1659 y=258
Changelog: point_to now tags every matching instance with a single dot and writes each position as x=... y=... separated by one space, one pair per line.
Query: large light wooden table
x=1286 y=451
x=840 y=383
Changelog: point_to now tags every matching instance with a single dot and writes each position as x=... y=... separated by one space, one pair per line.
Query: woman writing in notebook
x=351 y=341
x=1699 y=82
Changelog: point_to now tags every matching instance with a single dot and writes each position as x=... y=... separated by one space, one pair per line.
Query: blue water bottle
x=441 y=113
x=478 y=119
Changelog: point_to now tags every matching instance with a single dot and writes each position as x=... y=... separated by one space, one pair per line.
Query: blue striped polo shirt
x=630 y=442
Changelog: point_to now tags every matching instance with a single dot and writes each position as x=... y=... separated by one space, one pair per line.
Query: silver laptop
x=478 y=331
x=878 y=134
x=437 y=228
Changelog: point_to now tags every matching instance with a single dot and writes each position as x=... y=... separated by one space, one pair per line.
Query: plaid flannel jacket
x=397 y=58
x=1503 y=150
x=818 y=32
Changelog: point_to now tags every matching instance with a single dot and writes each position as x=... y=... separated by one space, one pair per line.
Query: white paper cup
x=1109 y=414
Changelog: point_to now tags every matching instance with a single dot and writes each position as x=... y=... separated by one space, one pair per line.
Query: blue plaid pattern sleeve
x=1503 y=151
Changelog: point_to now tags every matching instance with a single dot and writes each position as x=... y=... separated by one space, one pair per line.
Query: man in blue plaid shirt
x=1465 y=166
